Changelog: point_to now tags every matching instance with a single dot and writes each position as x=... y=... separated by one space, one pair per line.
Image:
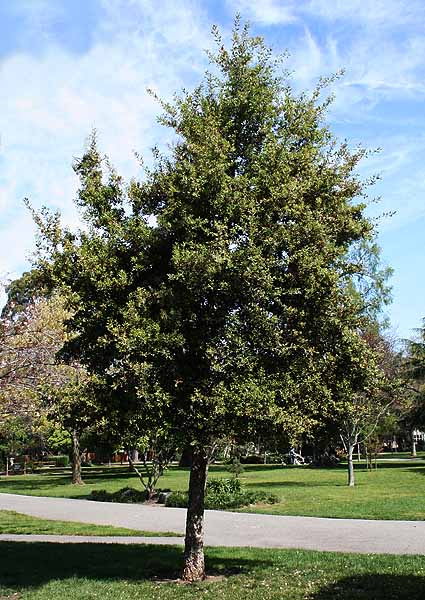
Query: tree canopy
x=213 y=292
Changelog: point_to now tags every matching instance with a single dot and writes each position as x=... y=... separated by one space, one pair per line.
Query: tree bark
x=194 y=563
x=76 y=460
x=350 y=465
x=186 y=457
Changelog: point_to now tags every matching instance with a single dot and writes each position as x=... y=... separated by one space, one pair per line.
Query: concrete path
x=233 y=529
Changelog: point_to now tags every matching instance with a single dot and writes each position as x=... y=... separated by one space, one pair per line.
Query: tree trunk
x=350 y=465
x=194 y=564
x=76 y=460
x=186 y=457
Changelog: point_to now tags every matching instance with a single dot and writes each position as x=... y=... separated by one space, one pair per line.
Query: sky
x=68 y=67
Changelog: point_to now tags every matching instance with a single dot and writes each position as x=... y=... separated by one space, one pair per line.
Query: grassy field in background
x=56 y=571
x=396 y=490
x=16 y=523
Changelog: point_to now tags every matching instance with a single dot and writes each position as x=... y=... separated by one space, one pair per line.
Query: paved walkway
x=230 y=529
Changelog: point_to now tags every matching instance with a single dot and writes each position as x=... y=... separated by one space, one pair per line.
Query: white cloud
x=55 y=98
x=266 y=12
x=376 y=13
x=373 y=12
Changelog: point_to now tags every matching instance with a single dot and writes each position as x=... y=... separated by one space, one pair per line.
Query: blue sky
x=66 y=67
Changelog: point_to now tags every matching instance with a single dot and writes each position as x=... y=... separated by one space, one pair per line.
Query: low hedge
x=61 y=460
x=127 y=495
x=224 y=494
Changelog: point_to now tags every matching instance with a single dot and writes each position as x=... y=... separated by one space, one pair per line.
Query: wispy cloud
x=266 y=12
x=55 y=98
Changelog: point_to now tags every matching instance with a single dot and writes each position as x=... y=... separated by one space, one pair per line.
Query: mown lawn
x=16 y=523
x=396 y=490
x=88 y=571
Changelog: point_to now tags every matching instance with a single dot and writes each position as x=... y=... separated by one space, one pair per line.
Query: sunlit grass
x=16 y=523
x=396 y=490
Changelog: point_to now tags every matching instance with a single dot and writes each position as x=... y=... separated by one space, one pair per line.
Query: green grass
x=17 y=523
x=396 y=490
x=115 y=572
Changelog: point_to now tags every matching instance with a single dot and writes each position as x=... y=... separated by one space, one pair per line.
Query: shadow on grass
x=420 y=470
x=29 y=565
x=286 y=484
x=374 y=587
x=45 y=481
x=26 y=482
x=408 y=466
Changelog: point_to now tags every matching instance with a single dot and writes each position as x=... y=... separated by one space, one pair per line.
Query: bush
x=62 y=460
x=222 y=494
x=223 y=486
x=177 y=500
x=235 y=467
x=125 y=495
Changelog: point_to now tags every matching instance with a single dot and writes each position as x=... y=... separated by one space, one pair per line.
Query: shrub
x=125 y=495
x=223 y=486
x=62 y=460
x=222 y=494
x=235 y=467
x=177 y=500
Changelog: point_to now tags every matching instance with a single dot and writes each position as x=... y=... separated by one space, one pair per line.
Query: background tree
x=229 y=305
x=33 y=380
x=413 y=408
x=363 y=412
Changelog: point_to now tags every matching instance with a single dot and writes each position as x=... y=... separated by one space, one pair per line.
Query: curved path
x=227 y=528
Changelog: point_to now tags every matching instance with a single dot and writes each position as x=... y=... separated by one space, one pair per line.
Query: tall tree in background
x=413 y=415
x=33 y=379
x=231 y=304
x=361 y=412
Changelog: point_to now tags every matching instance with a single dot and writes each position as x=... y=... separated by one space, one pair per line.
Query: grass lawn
x=88 y=571
x=13 y=522
x=396 y=490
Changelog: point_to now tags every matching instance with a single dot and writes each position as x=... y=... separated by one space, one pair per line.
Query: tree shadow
x=389 y=465
x=420 y=470
x=286 y=484
x=374 y=587
x=49 y=480
x=29 y=565
x=27 y=483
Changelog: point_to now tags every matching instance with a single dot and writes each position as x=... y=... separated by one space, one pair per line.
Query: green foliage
x=60 y=440
x=14 y=434
x=125 y=495
x=224 y=486
x=370 y=286
x=22 y=292
x=230 y=306
x=224 y=494
x=235 y=467
x=416 y=356
x=62 y=460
